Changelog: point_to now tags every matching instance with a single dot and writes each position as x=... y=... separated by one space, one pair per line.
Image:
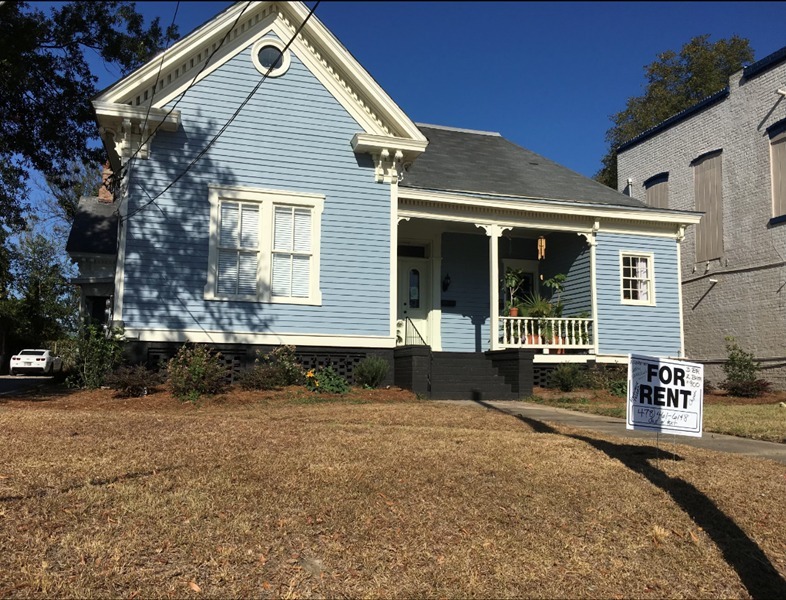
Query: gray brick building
x=726 y=157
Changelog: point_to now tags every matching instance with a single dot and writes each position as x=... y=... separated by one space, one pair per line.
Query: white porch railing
x=558 y=333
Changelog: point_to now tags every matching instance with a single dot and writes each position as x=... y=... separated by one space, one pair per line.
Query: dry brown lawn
x=378 y=495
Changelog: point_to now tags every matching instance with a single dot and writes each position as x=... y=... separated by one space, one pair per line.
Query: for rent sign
x=665 y=395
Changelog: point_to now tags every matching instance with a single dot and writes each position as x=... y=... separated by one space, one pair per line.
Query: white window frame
x=650 y=257
x=267 y=200
x=286 y=58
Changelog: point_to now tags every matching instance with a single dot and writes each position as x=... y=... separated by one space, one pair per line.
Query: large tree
x=674 y=82
x=46 y=121
x=46 y=304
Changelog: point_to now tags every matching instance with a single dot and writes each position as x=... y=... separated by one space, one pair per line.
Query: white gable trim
x=315 y=46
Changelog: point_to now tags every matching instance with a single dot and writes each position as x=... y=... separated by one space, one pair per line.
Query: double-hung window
x=264 y=246
x=292 y=252
x=238 y=250
x=637 y=278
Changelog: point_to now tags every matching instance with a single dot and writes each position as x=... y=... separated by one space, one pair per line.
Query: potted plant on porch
x=537 y=306
x=514 y=280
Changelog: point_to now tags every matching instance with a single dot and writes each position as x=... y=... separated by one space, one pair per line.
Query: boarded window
x=657 y=188
x=709 y=200
x=238 y=249
x=778 y=148
x=292 y=252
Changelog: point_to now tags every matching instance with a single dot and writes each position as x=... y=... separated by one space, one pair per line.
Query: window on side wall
x=637 y=278
x=657 y=189
x=777 y=135
x=708 y=190
x=264 y=246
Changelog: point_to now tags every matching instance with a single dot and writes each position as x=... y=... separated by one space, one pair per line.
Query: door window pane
x=414 y=288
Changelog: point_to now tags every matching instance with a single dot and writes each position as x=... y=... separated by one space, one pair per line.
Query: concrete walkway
x=613 y=426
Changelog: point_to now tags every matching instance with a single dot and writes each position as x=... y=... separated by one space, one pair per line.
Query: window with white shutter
x=238 y=250
x=291 y=252
x=264 y=246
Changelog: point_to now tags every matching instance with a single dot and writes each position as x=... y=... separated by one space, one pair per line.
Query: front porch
x=450 y=275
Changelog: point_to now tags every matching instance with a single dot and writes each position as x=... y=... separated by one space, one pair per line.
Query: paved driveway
x=10 y=385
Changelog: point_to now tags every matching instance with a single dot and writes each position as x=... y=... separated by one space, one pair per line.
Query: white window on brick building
x=637 y=278
x=777 y=135
x=264 y=245
x=708 y=189
x=657 y=189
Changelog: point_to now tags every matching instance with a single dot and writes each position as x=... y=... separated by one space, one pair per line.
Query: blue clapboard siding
x=628 y=328
x=292 y=135
x=465 y=327
x=569 y=253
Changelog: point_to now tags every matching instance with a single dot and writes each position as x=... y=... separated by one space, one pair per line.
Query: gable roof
x=201 y=52
x=461 y=160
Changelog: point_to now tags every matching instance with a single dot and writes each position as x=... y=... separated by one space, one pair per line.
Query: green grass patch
x=756 y=421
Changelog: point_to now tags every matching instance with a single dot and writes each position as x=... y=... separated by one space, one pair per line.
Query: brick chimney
x=104 y=195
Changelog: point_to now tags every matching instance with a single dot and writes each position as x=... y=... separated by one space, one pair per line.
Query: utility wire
x=180 y=97
x=152 y=97
x=247 y=99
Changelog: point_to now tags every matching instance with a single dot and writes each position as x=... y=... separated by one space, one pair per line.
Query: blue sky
x=547 y=75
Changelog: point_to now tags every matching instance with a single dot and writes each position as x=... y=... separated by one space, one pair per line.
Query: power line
x=120 y=175
x=247 y=99
x=152 y=97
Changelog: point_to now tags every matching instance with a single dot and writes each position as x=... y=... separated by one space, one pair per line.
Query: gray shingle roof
x=94 y=230
x=486 y=163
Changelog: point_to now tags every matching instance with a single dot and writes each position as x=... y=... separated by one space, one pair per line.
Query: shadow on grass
x=94 y=482
x=46 y=391
x=744 y=555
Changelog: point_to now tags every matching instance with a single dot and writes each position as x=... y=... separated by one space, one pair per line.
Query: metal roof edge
x=673 y=120
x=766 y=63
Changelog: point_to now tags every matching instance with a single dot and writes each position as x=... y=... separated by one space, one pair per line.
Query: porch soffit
x=317 y=48
x=533 y=217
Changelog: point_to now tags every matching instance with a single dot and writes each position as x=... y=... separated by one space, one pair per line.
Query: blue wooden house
x=311 y=211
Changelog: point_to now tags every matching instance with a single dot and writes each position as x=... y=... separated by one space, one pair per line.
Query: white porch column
x=679 y=237
x=592 y=240
x=493 y=231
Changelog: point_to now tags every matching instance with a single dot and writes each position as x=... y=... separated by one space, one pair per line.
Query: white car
x=35 y=361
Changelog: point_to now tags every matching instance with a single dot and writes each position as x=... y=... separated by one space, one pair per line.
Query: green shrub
x=262 y=376
x=567 y=377
x=289 y=367
x=371 y=371
x=612 y=378
x=133 y=381
x=752 y=388
x=742 y=372
x=91 y=357
x=326 y=380
x=196 y=371
x=619 y=387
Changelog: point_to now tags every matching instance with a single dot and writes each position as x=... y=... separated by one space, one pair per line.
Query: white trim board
x=204 y=336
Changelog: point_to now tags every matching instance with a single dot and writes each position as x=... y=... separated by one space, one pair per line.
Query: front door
x=414 y=300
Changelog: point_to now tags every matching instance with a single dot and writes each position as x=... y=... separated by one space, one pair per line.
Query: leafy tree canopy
x=44 y=306
x=46 y=121
x=675 y=81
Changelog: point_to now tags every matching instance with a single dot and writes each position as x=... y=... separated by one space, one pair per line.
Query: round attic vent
x=270 y=58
